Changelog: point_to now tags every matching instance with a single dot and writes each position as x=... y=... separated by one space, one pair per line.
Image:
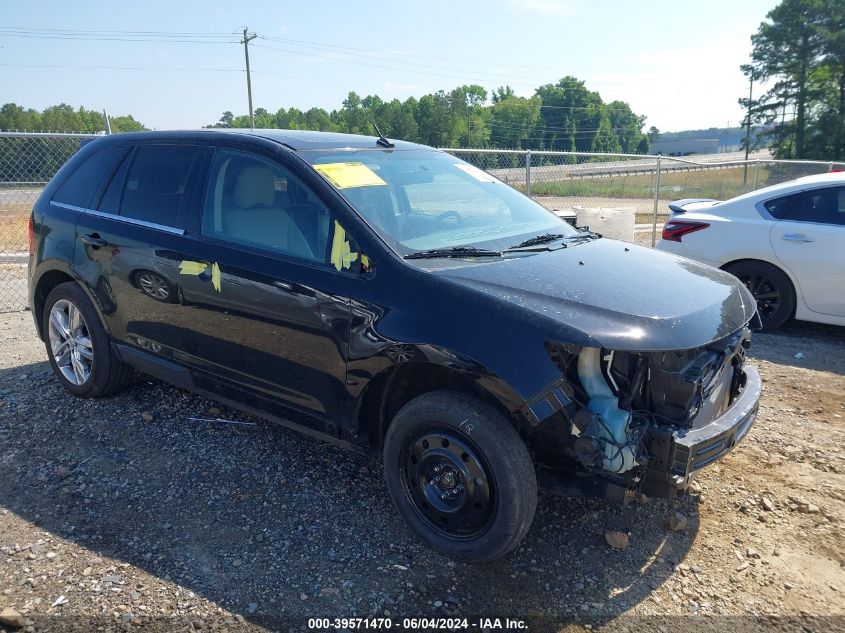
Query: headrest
x=254 y=187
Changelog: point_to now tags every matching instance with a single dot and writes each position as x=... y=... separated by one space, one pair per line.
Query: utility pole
x=245 y=41
x=469 y=126
x=748 y=127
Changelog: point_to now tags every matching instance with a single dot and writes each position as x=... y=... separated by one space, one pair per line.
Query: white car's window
x=825 y=205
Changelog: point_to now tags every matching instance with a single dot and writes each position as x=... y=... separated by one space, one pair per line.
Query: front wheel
x=460 y=476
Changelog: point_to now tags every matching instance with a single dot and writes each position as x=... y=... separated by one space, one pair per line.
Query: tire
x=460 y=476
x=154 y=286
x=771 y=288
x=87 y=368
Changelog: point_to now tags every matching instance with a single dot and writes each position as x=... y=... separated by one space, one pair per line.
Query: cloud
x=559 y=8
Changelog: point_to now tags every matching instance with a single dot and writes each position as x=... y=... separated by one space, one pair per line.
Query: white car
x=786 y=243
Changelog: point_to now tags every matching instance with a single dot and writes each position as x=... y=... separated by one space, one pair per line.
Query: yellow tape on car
x=342 y=255
x=348 y=175
x=215 y=276
x=187 y=267
x=192 y=268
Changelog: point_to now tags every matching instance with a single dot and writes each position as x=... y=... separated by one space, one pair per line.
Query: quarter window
x=79 y=188
x=257 y=203
x=780 y=208
x=156 y=183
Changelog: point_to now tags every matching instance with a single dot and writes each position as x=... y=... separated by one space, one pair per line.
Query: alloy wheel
x=70 y=342
x=153 y=285
x=766 y=293
x=449 y=484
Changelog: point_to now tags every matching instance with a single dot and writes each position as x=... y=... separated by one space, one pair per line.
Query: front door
x=809 y=241
x=263 y=309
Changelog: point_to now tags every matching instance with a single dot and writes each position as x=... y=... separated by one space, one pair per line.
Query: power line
x=105 y=67
x=112 y=32
x=313 y=44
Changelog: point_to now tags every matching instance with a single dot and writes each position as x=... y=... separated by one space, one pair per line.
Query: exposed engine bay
x=629 y=412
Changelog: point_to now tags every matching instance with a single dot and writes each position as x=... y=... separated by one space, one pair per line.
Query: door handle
x=797 y=237
x=94 y=240
x=294 y=288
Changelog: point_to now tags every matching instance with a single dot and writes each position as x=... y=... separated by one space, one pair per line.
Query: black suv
x=389 y=296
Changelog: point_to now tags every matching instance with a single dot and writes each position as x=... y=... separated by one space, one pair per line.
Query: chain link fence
x=585 y=182
x=644 y=185
x=27 y=162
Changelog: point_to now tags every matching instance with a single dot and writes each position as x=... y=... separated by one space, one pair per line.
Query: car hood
x=613 y=294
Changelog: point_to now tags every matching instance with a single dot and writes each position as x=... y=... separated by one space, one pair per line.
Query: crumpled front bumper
x=676 y=456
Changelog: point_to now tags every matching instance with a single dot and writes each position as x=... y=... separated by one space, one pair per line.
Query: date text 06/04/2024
x=424 y=623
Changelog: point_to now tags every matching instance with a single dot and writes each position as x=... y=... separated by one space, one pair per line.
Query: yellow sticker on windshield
x=348 y=175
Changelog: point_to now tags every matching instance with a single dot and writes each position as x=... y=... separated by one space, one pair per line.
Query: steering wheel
x=446 y=216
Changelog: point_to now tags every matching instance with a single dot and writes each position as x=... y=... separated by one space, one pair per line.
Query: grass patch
x=714 y=183
x=14 y=233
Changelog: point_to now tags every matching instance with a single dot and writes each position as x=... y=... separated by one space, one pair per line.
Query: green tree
x=787 y=47
x=569 y=111
x=605 y=139
x=513 y=121
x=14 y=117
x=61 y=118
x=125 y=123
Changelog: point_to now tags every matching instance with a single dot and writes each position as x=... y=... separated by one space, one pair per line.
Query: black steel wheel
x=448 y=483
x=772 y=290
x=460 y=476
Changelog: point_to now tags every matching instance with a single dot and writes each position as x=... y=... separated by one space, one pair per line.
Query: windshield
x=419 y=200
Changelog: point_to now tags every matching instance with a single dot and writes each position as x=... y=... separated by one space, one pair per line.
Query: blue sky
x=675 y=61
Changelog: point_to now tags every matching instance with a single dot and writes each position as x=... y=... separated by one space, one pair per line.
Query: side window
x=255 y=202
x=155 y=183
x=825 y=206
x=79 y=188
x=780 y=208
x=110 y=201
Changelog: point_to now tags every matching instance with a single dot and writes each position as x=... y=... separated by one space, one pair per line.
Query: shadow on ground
x=262 y=515
x=803 y=344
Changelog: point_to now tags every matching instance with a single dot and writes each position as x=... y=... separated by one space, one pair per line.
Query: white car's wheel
x=771 y=288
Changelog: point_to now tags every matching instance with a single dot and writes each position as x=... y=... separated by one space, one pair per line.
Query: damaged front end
x=645 y=422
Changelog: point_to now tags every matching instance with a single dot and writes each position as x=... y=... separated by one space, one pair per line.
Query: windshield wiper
x=453 y=251
x=584 y=235
x=537 y=240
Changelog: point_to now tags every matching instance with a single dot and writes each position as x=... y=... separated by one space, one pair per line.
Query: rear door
x=809 y=240
x=127 y=245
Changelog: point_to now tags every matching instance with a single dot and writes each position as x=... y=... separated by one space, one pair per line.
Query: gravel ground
x=120 y=514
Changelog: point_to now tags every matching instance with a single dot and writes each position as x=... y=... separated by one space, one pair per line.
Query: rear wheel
x=78 y=346
x=771 y=288
x=460 y=476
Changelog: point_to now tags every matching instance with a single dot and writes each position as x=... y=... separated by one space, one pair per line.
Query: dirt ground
x=121 y=514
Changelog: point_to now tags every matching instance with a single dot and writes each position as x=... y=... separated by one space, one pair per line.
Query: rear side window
x=780 y=208
x=79 y=188
x=156 y=183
